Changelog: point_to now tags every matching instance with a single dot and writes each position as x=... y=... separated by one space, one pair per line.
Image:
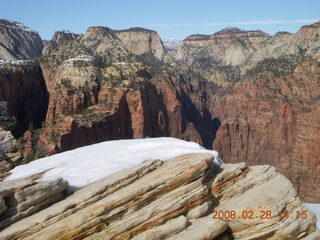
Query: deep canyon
x=251 y=96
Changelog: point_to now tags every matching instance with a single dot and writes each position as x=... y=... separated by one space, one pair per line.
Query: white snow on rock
x=16 y=62
x=18 y=26
x=314 y=207
x=120 y=63
x=171 y=43
x=4 y=64
x=85 y=58
x=88 y=164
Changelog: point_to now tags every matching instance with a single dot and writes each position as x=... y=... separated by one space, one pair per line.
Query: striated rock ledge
x=23 y=197
x=174 y=200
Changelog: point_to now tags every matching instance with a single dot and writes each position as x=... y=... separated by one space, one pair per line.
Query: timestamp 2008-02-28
x=261 y=214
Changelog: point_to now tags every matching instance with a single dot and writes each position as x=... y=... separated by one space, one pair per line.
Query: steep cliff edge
x=18 y=41
x=272 y=120
x=267 y=98
x=58 y=38
x=141 y=41
x=23 y=106
x=186 y=197
x=252 y=96
x=24 y=90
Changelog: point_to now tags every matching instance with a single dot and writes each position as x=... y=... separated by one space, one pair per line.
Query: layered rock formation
x=23 y=89
x=251 y=96
x=175 y=199
x=272 y=120
x=23 y=105
x=58 y=38
x=141 y=41
x=24 y=197
x=106 y=93
x=18 y=41
x=226 y=55
x=267 y=98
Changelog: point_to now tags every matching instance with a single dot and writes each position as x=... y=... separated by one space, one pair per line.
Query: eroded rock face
x=24 y=90
x=141 y=41
x=226 y=55
x=18 y=41
x=251 y=96
x=23 y=105
x=58 y=38
x=158 y=199
x=24 y=197
x=272 y=120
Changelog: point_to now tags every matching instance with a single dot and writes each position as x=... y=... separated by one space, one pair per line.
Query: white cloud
x=257 y=22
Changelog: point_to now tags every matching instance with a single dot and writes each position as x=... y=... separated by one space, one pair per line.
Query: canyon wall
x=251 y=96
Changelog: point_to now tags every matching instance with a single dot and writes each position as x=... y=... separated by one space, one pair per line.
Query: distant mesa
x=136 y=29
x=230 y=32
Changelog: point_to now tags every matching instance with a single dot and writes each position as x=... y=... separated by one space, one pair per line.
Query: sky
x=170 y=18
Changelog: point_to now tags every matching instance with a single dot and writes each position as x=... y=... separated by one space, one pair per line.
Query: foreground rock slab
x=175 y=199
x=23 y=197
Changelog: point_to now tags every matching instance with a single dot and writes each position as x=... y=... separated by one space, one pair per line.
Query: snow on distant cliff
x=85 y=165
x=171 y=43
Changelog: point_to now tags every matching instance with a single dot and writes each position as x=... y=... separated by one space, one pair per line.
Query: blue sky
x=171 y=19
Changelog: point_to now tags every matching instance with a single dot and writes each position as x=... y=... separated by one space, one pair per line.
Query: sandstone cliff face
x=23 y=88
x=226 y=55
x=90 y=104
x=267 y=98
x=18 y=41
x=251 y=96
x=272 y=120
x=175 y=199
x=23 y=105
x=58 y=38
x=141 y=41
x=100 y=91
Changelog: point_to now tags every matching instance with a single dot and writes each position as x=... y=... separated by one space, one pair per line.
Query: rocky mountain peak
x=15 y=25
x=309 y=32
x=236 y=32
x=18 y=41
x=195 y=37
x=141 y=41
x=136 y=29
x=60 y=36
x=252 y=96
x=282 y=33
x=230 y=30
x=98 y=30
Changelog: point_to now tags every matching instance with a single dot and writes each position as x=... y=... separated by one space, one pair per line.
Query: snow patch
x=315 y=207
x=18 y=26
x=171 y=43
x=5 y=63
x=120 y=63
x=85 y=58
x=86 y=165
x=80 y=58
